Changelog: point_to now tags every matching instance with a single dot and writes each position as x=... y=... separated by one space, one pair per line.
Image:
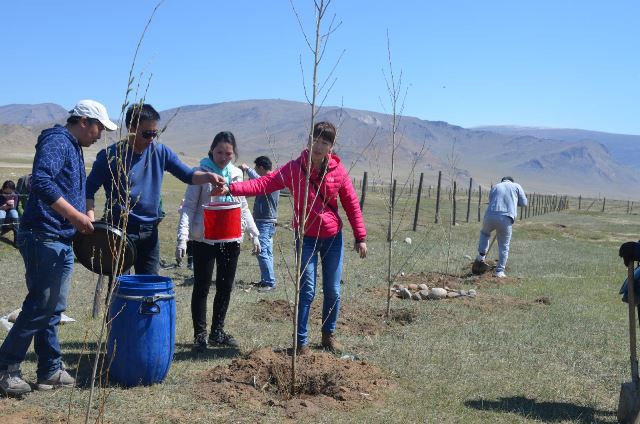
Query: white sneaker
x=500 y=274
x=11 y=382
x=60 y=378
x=480 y=258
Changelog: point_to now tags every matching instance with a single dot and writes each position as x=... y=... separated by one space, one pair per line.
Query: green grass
x=497 y=359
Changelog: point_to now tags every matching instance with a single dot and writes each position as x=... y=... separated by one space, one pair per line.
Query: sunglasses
x=149 y=134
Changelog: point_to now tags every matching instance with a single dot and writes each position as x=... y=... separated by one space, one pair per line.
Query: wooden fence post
x=604 y=201
x=579 y=201
x=479 y=201
x=469 y=198
x=393 y=194
x=438 y=197
x=415 y=218
x=453 y=200
x=364 y=190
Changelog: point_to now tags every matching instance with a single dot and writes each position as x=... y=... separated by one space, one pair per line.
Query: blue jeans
x=48 y=261
x=9 y=220
x=265 y=257
x=11 y=213
x=331 y=251
x=502 y=225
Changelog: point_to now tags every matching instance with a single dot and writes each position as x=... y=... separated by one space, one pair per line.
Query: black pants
x=225 y=257
x=145 y=238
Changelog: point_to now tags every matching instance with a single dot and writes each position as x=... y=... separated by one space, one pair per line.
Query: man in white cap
x=54 y=212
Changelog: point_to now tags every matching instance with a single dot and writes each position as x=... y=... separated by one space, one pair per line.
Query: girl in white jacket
x=206 y=253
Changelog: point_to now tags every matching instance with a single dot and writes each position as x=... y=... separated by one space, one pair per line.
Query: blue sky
x=552 y=63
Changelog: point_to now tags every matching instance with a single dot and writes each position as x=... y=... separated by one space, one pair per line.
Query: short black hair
x=264 y=162
x=507 y=179
x=138 y=113
x=325 y=130
x=72 y=120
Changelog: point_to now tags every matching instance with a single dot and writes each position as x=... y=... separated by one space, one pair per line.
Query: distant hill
x=43 y=113
x=279 y=129
x=622 y=147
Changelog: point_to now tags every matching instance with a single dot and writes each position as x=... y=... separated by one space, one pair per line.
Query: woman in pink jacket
x=329 y=181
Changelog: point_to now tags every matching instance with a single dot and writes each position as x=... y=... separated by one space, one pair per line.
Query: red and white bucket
x=222 y=222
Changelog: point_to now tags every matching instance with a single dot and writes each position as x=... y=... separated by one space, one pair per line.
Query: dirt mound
x=437 y=279
x=323 y=381
x=352 y=319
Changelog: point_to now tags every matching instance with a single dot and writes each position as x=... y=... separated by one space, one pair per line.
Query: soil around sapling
x=262 y=378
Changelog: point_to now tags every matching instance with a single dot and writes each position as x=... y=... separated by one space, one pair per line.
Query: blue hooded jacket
x=58 y=171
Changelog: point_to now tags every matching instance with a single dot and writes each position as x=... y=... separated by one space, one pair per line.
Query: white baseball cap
x=92 y=109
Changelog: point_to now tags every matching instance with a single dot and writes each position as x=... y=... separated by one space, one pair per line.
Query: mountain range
x=564 y=161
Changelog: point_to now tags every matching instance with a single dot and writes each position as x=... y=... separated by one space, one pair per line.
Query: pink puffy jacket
x=323 y=220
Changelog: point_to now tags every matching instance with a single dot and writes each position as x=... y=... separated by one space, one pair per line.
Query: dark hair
x=325 y=130
x=72 y=120
x=9 y=184
x=264 y=162
x=224 y=137
x=139 y=113
x=507 y=179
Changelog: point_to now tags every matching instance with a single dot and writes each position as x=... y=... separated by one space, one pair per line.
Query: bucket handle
x=148 y=305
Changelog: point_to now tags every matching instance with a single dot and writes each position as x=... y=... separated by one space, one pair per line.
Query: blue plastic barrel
x=143 y=328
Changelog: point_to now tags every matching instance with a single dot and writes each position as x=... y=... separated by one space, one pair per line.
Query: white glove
x=256 y=245
x=181 y=250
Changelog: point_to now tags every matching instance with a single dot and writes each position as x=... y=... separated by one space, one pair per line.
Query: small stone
x=400 y=286
x=402 y=274
x=462 y=292
x=408 y=240
x=423 y=286
x=468 y=257
x=416 y=296
x=472 y=293
x=438 y=293
x=424 y=294
x=412 y=287
x=453 y=295
x=405 y=293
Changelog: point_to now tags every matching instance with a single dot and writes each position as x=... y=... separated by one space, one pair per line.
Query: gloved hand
x=181 y=250
x=629 y=252
x=256 y=245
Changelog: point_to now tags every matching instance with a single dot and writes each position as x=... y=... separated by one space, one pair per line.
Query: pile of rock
x=423 y=292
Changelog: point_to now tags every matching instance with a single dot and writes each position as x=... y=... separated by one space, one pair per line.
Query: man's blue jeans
x=48 y=261
x=331 y=252
x=265 y=257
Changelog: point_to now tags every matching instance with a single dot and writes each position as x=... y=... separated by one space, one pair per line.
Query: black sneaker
x=219 y=339
x=200 y=341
